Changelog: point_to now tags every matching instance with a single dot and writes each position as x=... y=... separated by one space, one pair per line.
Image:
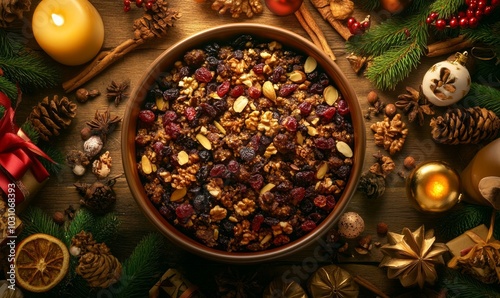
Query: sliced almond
x=161 y=104
x=310 y=64
x=311 y=130
x=300 y=138
x=182 y=158
x=146 y=165
x=331 y=95
x=266 y=239
x=240 y=103
x=343 y=148
x=268 y=90
x=220 y=127
x=267 y=188
x=297 y=76
x=178 y=194
x=204 y=141
x=322 y=170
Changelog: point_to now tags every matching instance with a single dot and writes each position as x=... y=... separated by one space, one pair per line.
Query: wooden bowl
x=175 y=53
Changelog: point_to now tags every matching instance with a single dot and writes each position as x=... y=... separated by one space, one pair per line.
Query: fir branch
x=143 y=268
x=56 y=155
x=482 y=96
x=31 y=132
x=10 y=44
x=105 y=228
x=486 y=33
x=446 y=8
x=466 y=217
x=9 y=88
x=461 y=285
x=37 y=221
x=29 y=71
x=395 y=65
x=83 y=221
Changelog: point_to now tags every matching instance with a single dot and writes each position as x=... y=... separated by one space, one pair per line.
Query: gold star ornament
x=412 y=256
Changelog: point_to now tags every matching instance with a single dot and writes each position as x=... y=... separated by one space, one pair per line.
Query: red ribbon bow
x=17 y=154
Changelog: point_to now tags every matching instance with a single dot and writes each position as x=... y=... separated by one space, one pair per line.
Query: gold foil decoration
x=412 y=256
x=174 y=285
x=279 y=288
x=332 y=282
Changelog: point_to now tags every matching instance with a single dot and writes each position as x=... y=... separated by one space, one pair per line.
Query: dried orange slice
x=41 y=262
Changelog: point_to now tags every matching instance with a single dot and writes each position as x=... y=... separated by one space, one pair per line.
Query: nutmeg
x=409 y=162
x=390 y=110
x=372 y=97
x=382 y=228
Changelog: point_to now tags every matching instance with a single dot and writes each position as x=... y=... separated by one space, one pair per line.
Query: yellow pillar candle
x=70 y=31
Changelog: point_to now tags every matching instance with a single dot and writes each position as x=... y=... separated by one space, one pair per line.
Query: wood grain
x=392 y=208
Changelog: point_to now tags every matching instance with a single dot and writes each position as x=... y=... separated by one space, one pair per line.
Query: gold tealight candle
x=433 y=187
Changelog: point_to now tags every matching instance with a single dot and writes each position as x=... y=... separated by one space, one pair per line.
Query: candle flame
x=438 y=187
x=57 y=19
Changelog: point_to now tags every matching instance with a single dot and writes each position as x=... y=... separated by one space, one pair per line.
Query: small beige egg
x=351 y=225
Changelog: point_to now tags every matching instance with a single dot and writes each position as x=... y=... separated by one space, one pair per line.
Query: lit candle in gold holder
x=433 y=187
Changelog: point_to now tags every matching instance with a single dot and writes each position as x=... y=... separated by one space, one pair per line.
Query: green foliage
x=143 y=268
x=105 y=227
x=31 y=132
x=56 y=155
x=483 y=96
x=488 y=33
x=37 y=221
x=22 y=67
x=461 y=285
x=368 y=5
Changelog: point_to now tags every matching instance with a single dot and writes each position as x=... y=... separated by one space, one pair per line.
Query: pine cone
x=99 y=270
x=372 y=185
x=97 y=196
x=12 y=9
x=50 y=116
x=155 y=22
x=86 y=243
x=465 y=126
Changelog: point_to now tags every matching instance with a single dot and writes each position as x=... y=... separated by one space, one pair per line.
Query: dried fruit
x=331 y=95
x=310 y=64
x=240 y=103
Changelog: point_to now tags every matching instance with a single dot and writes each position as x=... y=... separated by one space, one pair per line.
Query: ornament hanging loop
x=461 y=58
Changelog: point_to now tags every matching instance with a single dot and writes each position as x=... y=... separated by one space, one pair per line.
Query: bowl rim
x=164 y=61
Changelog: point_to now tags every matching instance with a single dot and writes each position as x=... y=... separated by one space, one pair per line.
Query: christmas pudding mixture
x=244 y=146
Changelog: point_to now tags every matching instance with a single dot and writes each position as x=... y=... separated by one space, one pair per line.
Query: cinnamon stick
x=311 y=27
x=323 y=7
x=369 y=286
x=101 y=62
x=448 y=46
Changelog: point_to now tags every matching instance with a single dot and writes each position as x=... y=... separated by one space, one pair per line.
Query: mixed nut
x=245 y=145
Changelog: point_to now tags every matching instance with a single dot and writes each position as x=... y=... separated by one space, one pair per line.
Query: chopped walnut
x=252 y=121
x=244 y=207
x=390 y=134
x=213 y=187
x=102 y=167
x=268 y=124
x=384 y=165
x=188 y=85
x=185 y=176
x=270 y=150
x=218 y=213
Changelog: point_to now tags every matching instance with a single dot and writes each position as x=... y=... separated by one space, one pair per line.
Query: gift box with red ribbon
x=21 y=172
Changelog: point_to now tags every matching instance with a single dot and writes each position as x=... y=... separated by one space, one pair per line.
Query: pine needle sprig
x=84 y=220
x=143 y=268
x=482 y=96
x=37 y=221
x=56 y=155
x=29 y=71
x=446 y=8
x=105 y=227
x=8 y=87
x=486 y=33
x=462 y=285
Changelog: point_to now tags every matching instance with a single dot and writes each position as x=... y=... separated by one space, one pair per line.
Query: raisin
x=184 y=211
x=257 y=221
x=304 y=177
x=325 y=112
x=256 y=181
x=223 y=88
x=221 y=106
x=242 y=41
x=305 y=108
x=147 y=117
x=208 y=110
x=167 y=213
x=237 y=91
x=247 y=154
x=201 y=204
x=205 y=155
x=219 y=170
x=308 y=226
x=277 y=74
x=258 y=68
x=254 y=92
x=184 y=72
x=238 y=54
x=212 y=49
x=330 y=203
x=203 y=75
x=316 y=217
x=233 y=166
x=271 y=221
x=254 y=142
x=212 y=62
x=290 y=123
x=186 y=142
x=320 y=201
x=287 y=89
x=211 y=87
x=168 y=117
x=281 y=240
x=283 y=143
x=284 y=186
x=195 y=57
x=223 y=70
x=202 y=174
x=226 y=226
x=297 y=194
x=324 y=143
x=343 y=171
x=312 y=76
x=306 y=206
x=158 y=147
x=316 y=88
x=323 y=79
x=190 y=113
x=342 y=107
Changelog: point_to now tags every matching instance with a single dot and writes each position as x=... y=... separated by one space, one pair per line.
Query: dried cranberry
x=342 y=107
x=169 y=116
x=219 y=170
x=290 y=123
x=147 y=117
x=297 y=194
x=223 y=88
x=325 y=112
x=254 y=92
x=208 y=109
x=203 y=75
x=258 y=68
x=308 y=225
x=254 y=142
x=324 y=143
x=184 y=211
x=237 y=91
x=256 y=181
x=287 y=89
x=158 y=147
x=316 y=88
x=190 y=113
x=257 y=221
x=172 y=129
x=247 y=154
x=330 y=203
x=305 y=108
x=320 y=201
x=233 y=166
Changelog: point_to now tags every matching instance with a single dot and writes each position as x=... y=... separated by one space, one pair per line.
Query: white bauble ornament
x=446 y=82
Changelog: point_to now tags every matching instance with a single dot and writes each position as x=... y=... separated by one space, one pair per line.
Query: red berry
x=237 y=91
x=440 y=24
x=342 y=107
x=495 y=3
x=472 y=6
x=407 y=32
x=254 y=92
x=478 y=15
x=223 y=88
x=138 y=3
x=290 y=123
x=453 y=23
x=473 y=22
x=147 y=117
x=434 y=15
x=350 y=21
x=488 y=10
x=126 y=2
x=305 y=108
x=461 y=15
x=429 y=20
x=355 y=28
x=365 y=25
x=481 y=4
x=470 y=13
x=126 y=8
x=464 y=23
x=203 y=75
x=149 y=5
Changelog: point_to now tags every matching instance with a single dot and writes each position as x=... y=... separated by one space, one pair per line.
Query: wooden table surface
x=393 y=208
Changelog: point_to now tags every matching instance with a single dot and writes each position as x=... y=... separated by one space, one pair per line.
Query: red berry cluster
x=469 y=18
x=148 y=4
x=356 y=27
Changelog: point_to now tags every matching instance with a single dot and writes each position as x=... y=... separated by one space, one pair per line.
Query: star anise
x=414 y=105
x=116 y=91
x=103 y=124
x=235 y=284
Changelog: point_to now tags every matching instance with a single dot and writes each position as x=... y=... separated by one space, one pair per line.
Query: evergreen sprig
x=462 y=285
x=487 y=33
x=37 y=221
x=8 y=87
x=483 y=96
